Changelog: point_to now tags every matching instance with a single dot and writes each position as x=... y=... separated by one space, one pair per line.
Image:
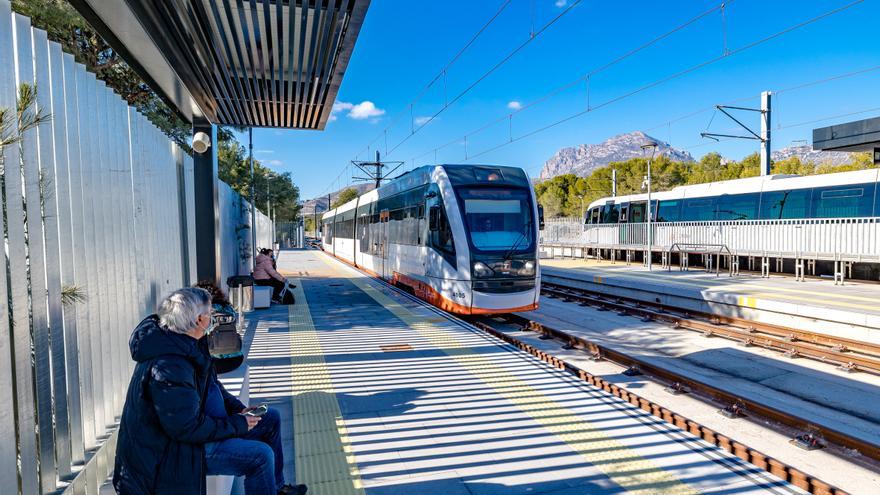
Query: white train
x=774 y=197
x=464 y=238
x=831 y=221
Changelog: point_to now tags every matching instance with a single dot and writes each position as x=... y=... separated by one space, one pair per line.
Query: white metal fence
x=844 y=239
x=235 y=233
x=98 y=219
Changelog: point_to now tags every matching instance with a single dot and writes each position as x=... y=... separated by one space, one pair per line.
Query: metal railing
x=843 y=239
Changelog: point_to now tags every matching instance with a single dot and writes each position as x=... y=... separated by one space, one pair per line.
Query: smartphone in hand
x=258 y=411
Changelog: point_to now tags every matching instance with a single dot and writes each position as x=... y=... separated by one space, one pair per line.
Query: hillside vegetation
x=568 y=194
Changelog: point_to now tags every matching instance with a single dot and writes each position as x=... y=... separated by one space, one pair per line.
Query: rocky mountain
x=308 y=207
x=582 y=160
x=806 y=154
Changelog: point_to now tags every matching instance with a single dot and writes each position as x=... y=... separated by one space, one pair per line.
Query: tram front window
x=498 y=219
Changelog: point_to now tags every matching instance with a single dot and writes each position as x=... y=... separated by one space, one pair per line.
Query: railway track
x=848 y=354
x=681 y=384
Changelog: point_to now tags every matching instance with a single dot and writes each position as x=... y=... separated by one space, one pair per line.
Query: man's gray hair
x=179 y=311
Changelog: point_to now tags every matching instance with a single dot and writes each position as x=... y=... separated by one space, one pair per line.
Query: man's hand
x=247 y=409
x=252 y=421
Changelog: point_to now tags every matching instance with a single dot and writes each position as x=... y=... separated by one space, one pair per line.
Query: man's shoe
x=293 y=490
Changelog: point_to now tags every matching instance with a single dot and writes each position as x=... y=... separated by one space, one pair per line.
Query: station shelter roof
x=248 y=63
x=861 y=135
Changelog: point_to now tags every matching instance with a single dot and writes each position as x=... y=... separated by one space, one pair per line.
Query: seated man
x=165 y=429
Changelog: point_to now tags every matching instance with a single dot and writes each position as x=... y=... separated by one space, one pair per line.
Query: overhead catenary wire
x=585 y=78
x=670 y=77
x=441 y=74
x=486 y=74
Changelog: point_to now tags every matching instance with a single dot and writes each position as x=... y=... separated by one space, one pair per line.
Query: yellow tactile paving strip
x=616 y=460
x=324 y=460
x=749 y=288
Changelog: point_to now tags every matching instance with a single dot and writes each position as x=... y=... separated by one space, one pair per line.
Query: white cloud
x=420 y=121
x=365 y=110
x=359 y=111
x=274 y=163
x=561 y=3
x=514 y=105
x=264 y=152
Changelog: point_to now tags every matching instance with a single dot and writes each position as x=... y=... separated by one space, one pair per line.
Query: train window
x=698 y=209
x=852 y=200
x=794 y=203
x=441 y=239
x=737 y=207
x=669 y=211
x=637 y=212
x=610 y=213
x=595 y=216
x=497 y=219
x=328 y=230
x=363 y=227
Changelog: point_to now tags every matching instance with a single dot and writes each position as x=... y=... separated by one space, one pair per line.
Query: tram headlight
x=482 y=270
x=528 y=269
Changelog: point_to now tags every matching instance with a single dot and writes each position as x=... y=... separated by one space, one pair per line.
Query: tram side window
x=855 y=200
x=637 y=212
x=441 y=239
x=698 y=209
x=328 y=231
x=669 y=211
x=737 y=207
x=363 y=227
x=610 y=213
x=777 y=205
x=345 y=225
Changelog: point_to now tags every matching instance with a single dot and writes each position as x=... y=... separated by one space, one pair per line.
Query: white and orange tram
x=462 y=237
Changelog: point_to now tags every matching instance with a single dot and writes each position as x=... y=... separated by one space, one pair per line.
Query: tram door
x=384 y=216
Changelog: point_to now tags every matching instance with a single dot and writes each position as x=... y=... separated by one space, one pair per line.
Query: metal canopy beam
x=861 y=135
x=247 y=63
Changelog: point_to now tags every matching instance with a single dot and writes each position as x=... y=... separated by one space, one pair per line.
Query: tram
x=775 y=197
x=461 y=237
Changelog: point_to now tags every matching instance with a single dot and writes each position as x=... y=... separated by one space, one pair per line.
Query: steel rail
x=848 y=353
x=755 y=457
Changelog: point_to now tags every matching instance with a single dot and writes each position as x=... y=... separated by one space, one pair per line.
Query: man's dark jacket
x=163 y=429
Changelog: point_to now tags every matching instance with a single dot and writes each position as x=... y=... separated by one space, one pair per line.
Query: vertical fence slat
x=70 y=449
x=8 y=157
x=45 y=283
x=18 y=272
x=90 y=250
x=79 y=232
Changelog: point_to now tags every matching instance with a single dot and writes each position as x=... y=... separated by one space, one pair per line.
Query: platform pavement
x=381 y=395
x=849 y=311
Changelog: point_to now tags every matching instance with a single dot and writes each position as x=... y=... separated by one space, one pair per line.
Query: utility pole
x=375 y=175
x=613 y=182
x=764 y=137
x=765 y=133
x=649 y=255
x=253 y=200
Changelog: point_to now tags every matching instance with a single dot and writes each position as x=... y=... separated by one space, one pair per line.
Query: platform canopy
x=861 y=135
x=259 y=63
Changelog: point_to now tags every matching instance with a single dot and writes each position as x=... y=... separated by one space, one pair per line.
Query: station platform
x=381 y=394
x=849 y=311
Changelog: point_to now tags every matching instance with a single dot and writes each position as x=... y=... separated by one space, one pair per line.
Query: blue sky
x=403 y=45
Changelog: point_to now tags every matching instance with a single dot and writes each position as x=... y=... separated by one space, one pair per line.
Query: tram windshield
x=498 y=219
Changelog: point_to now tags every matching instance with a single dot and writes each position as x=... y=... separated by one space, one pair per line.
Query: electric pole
x=375 y=175
x=253 y=200
x=764 y=137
